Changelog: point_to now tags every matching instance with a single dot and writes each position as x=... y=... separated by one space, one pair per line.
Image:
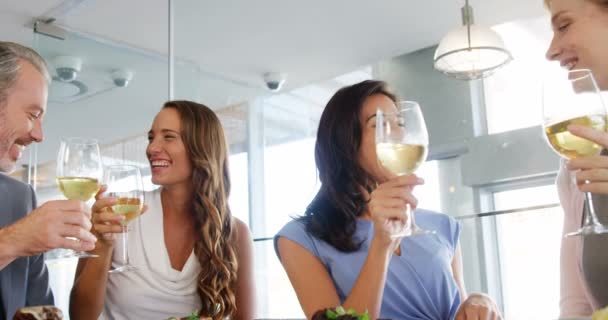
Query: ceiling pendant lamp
x=471 y=52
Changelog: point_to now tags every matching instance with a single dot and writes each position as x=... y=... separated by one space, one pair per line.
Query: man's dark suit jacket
x=25 y=281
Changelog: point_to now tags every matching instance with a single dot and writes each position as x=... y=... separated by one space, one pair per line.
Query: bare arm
x=245 y=287
x=573 y=300
x=457 y=272
x=89 y=290
x=315 y=289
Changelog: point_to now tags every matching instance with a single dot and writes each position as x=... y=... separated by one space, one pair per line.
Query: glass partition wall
x=271 y=137
x=113 y=98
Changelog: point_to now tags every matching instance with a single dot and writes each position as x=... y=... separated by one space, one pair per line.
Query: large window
x=513 y=94
x=290 y=122
x=529 y=243
x=239 y=193
x=290 y=184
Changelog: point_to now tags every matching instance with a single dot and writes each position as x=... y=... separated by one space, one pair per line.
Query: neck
x=179 y=200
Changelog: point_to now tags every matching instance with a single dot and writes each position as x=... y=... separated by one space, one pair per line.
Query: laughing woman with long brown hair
x=188 y=251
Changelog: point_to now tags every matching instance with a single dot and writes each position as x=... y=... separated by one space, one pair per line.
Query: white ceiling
x=232 y=42
x=239 y=39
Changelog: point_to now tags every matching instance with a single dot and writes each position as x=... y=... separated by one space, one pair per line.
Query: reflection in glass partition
x=108 y=92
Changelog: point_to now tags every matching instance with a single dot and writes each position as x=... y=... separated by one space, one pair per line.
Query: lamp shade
x=471 y=53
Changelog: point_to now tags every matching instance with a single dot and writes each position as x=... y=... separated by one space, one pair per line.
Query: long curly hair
x=332 y=214
x=207 y=149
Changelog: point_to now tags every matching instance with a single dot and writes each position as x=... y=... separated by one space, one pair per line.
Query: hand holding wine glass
x=125 y=188
x=79 y=170
x=402 y=145
x=574 y=100
x=591 y=171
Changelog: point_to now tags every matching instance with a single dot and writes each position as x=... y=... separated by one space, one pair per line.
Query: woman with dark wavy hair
x=341 y=251
x=188 y=251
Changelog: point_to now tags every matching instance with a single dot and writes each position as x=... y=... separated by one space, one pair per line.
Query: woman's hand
x=106 y=224
x=390 y=205
x=478 y=306
x=592 y=171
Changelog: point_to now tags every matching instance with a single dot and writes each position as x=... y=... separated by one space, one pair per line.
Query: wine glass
x=574 y=99
x=402 y=146
x=125 y=184
x=79 y=170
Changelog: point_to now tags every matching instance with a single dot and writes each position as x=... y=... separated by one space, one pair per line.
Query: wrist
x=103 y=246
x=382 y=247
x=10 y=248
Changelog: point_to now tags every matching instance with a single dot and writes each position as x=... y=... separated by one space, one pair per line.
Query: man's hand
x=47 y=228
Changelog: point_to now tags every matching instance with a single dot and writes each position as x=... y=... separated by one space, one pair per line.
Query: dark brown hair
x=207 y=149
x=332 y=215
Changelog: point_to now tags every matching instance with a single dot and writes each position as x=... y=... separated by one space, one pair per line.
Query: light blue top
x=419 y=283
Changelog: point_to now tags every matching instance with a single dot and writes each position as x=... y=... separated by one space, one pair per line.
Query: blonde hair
x=603 y=3
x=208 y=152
x=10 y=55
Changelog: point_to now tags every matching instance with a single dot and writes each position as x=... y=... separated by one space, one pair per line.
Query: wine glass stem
x=124 y=246
x=590 y=216
x=412 y=225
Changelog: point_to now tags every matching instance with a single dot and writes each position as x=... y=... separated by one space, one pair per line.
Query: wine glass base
x=588 y=230
x=415 y=232
x=59 y=254
x=124 y=268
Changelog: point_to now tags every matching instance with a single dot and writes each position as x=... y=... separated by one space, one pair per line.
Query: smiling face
x=166 y=150
x=367 y=156
x=21 y=115
x=580 y=37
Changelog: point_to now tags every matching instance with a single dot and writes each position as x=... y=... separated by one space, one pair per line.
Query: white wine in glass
x=78 y=188
x=79 y=170
x=571 y=146
x=129 y=207
x=125 y=184
x=574 y=98
x=401 y=158
x=402 y=146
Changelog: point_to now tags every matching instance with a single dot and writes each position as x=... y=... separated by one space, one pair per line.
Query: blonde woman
x=580 y=41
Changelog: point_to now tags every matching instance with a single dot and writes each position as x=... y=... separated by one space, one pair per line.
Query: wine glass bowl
x=574 y=99
x=125 y=184
x=570 y=146
x=79 y=171
x=402 y=146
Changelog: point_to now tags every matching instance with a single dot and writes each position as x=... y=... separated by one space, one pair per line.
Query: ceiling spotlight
x=122 y=78
x=67 y=67
x=274 y=80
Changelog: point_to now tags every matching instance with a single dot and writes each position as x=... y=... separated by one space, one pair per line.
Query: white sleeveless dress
x=154 y=290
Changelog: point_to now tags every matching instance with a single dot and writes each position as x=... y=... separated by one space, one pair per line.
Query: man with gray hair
x=26 y=232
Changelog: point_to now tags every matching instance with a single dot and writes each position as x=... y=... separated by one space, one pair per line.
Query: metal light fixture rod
x=468 y=20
